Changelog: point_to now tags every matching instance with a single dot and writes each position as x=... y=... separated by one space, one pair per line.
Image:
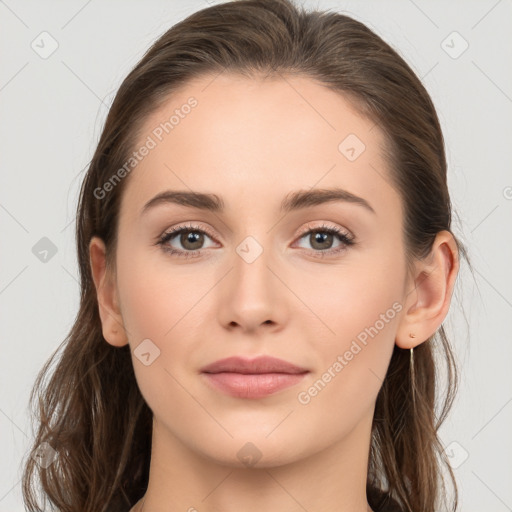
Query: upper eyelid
x=309 y=228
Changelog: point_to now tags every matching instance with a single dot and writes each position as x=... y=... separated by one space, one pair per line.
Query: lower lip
x=253 y=385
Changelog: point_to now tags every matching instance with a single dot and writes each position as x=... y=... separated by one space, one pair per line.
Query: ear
x=108 y=304
x=429 y=293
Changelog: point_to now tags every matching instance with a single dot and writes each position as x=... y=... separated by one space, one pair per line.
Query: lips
x=259 y=365
x=252 y=378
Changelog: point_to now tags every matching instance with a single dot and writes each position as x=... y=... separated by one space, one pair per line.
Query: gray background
x=52 y=111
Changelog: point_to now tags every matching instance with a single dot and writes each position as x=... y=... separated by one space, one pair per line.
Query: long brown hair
x=90 y=410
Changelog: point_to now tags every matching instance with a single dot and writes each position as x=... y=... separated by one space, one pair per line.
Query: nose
x=252 y=295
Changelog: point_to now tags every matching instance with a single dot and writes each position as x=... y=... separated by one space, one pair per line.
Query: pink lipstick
x=252 y=378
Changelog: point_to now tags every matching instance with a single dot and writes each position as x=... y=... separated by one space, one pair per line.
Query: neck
x=333 y=480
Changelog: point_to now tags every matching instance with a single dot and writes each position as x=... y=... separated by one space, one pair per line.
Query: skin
x=252 y=142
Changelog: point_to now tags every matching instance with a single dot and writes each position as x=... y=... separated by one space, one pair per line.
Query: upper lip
x=261 y=364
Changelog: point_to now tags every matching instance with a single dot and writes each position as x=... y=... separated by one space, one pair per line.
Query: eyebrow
x=293 y=201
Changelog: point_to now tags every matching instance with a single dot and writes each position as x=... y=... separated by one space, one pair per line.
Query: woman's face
x=258 y=280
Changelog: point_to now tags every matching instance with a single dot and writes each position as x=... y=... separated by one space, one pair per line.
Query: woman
x=266 y=261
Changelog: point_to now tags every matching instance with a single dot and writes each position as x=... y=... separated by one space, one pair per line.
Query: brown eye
x=184 y=241
x=191 y=240
x=321 y=240
x=327 y=240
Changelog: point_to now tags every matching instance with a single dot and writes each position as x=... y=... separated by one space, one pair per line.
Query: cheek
x=344 y=300
x=157 y=305
x=357 y=309
x=155 y=294
x=351 y=364
x=161 y=302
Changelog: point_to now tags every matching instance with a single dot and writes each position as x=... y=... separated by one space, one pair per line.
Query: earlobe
x=428 y=302
x=106 y=294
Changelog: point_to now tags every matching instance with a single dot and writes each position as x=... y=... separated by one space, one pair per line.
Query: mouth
x=252 y=378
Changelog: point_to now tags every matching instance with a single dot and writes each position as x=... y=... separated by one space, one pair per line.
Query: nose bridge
x=252 y=277
x=252 y=293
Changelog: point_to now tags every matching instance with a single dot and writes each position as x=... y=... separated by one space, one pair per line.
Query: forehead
x=228 y=134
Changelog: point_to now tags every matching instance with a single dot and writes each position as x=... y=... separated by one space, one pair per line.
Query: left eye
x=323 y=238
x=190 y=238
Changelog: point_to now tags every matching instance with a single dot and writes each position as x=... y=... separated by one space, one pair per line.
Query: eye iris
x=320 y=237
x=193 y=237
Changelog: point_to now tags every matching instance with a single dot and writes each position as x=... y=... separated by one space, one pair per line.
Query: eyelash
x=168 y=235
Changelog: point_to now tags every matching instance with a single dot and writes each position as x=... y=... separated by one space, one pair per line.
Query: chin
x=254 y=450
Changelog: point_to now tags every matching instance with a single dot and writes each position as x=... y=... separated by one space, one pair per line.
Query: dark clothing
x=381 y=501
